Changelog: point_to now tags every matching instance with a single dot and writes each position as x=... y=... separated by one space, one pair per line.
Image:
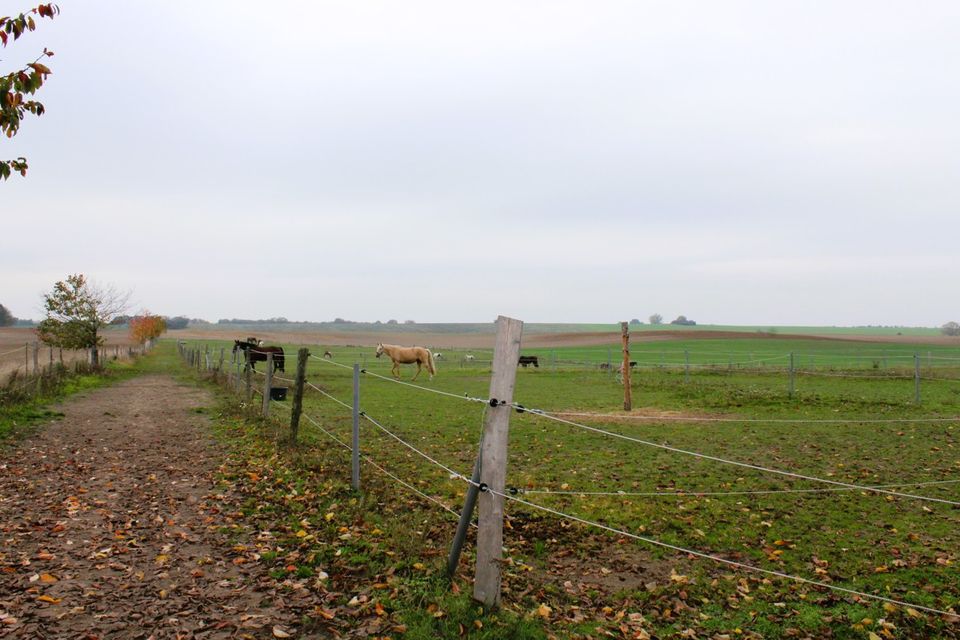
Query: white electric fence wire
x=453 y=474
x=601 y=416
x=689 y=493
x=745 y=465
x=370 y=461
x=879 y=376
x=421 y=388
x=340 y=402
x=708 y=556
x=336 y=364
x=6 y=353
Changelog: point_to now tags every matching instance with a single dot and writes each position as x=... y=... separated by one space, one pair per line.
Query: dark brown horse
x=257 y=353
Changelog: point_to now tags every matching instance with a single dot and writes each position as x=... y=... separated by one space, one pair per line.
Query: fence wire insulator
x=483 y=487
x=520 y=408
x=495 y=403
x=514 y=491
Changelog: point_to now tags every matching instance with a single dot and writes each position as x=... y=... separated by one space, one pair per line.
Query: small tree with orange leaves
x=146 y=327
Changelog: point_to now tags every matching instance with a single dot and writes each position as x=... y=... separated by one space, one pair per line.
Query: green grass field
x=847 y=421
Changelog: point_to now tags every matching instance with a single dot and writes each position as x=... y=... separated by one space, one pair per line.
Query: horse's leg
x=396 y=370
x=417 y=373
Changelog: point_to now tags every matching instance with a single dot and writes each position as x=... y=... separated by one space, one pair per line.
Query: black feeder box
x=278 y=393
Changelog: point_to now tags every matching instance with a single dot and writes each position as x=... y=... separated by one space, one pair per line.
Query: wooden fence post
x=36 y=358
x=236 y=380
x=267 y=385
x=297 y=408
x=627 y=394
x=493 y=461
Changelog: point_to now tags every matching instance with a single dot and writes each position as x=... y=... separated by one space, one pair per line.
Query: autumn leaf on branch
x=16 y=85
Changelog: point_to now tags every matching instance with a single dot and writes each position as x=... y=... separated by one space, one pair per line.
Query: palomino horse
x=257 y=353
x=408 y=355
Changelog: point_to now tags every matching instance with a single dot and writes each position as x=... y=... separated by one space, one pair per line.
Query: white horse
x=408 y=355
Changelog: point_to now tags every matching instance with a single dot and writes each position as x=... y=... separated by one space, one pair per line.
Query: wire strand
x=745 y=465
x=707 y=556
x=688 y=493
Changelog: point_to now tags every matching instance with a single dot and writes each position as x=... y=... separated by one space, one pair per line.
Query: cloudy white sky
x=746 y=162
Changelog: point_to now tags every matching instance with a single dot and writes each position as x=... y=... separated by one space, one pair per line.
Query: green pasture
x=860 y=425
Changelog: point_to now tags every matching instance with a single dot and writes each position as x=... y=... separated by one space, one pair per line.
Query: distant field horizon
x=570 y=327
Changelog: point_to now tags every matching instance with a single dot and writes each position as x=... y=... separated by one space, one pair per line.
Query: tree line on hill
x=656 y=319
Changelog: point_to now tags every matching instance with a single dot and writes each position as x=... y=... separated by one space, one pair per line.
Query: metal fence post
x=790 y=389
x=267 y=386
x=627 y=392
x=916 y=378
x=248 y=374
x=355 y=457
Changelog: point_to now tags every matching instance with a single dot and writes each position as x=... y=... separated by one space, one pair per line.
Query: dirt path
x=111 y=527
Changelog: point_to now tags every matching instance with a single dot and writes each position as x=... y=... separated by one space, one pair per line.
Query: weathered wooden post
x=267 y=386
x=51 y=358
x=236 y=380
x=625 y=339
x=297 y=408
x=493 y=461
x=220 y=363
x=355 y=444
x=686 y=364
x=26 y=358
x=36 y=358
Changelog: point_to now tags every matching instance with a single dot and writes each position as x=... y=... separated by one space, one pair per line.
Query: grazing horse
x=328 y=355
x=469 y=357
x=408 y=355
x=527 y=360
x=257 y=353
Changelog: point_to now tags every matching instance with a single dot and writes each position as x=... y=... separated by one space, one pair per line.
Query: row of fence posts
x=94 y=354
x=486 y=488
x=488 y=481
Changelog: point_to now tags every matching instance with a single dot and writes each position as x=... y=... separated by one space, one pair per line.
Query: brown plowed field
x=14 y=339
x=545 y=340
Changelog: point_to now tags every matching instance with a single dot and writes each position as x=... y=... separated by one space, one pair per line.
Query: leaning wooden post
x=465 y=517
x=625 y=338
x=297 y=408
x=355 y=444
x=267 y=385
x=493 y=461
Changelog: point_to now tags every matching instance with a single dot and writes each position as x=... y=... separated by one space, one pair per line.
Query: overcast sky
x=736 y=162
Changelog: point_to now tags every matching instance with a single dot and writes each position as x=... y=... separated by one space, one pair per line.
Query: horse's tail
x=431 y=365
